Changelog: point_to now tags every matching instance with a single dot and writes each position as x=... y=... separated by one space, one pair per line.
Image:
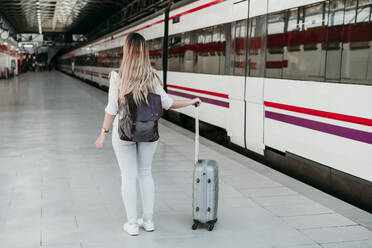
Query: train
x=9 y=62
x=290 y=82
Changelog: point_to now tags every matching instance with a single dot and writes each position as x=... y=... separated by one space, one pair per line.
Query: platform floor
x=57 y=190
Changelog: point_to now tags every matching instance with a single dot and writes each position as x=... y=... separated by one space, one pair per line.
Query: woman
x=135 y=76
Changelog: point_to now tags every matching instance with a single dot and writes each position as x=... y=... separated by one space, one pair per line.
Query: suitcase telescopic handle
x=196 y=131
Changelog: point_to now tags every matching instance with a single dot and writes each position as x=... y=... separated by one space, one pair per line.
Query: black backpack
x=140 y=123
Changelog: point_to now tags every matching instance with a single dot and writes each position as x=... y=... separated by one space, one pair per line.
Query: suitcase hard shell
x=205 y=187
x=205 y=193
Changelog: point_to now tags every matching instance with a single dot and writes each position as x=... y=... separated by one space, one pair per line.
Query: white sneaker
x=131 y=229
x=148 y=225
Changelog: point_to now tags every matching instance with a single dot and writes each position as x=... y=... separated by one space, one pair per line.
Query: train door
x=235 y=40
x=254 y=71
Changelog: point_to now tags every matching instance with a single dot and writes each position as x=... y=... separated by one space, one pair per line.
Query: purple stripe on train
x=344 y=132
x=203 y=99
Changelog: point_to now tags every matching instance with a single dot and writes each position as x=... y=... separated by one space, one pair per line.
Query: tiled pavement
x=57 y=190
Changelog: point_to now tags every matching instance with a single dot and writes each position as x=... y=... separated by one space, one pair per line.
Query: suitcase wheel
x=210 y=227
x=195 y=226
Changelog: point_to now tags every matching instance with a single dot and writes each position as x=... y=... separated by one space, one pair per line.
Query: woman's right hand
x=196 y=102
x=100 y=140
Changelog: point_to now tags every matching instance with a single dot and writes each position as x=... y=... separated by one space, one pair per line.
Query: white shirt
x=112 y=107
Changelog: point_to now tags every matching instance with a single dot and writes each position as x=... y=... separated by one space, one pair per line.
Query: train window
x=256 y=45
x=175 y=53
x=107 y=58
x=314 y=16
x=208 y=34
x=350 y=8
x=219 y=39
x=78 y=60
x=198 y=51
x=312 y=37
x=189 y=40
x=333 y=42
x=294 y=43
x=238 y=51
x=276 y=34
x=211 y=59
x=275 y=23
x=155 y=50
x=364 y=11
x=356 y=43
x=294 y=20
x=336 y=12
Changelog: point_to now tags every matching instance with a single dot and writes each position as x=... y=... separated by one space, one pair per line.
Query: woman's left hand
x=100 y=140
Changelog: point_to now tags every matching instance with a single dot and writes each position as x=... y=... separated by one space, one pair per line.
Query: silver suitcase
x=205 y=188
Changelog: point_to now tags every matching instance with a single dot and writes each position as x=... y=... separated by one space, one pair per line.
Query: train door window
x=219 y=41
x=334 y=40
x=312 y=37
x=238 y=50
x=356 y=64
x=256 y=45
x=276 y=29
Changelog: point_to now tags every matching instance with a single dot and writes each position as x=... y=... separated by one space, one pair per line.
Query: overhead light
x=4 y=34
x=39 y=22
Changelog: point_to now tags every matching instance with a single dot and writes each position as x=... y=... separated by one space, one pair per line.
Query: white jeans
x=135 y=159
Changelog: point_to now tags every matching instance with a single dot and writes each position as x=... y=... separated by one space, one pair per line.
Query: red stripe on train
x=199 y=91
x=197 y=8
x=320 y=113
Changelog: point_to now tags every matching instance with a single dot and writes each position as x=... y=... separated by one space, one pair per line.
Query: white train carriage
x=8 y=62
x=293 y=77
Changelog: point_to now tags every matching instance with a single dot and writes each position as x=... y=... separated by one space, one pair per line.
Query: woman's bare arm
x=107 y=122
x=184 y=103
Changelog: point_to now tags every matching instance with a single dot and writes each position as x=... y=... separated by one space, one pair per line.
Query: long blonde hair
x=136 y=75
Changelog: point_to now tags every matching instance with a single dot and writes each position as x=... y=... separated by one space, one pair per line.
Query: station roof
x=76 y=16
